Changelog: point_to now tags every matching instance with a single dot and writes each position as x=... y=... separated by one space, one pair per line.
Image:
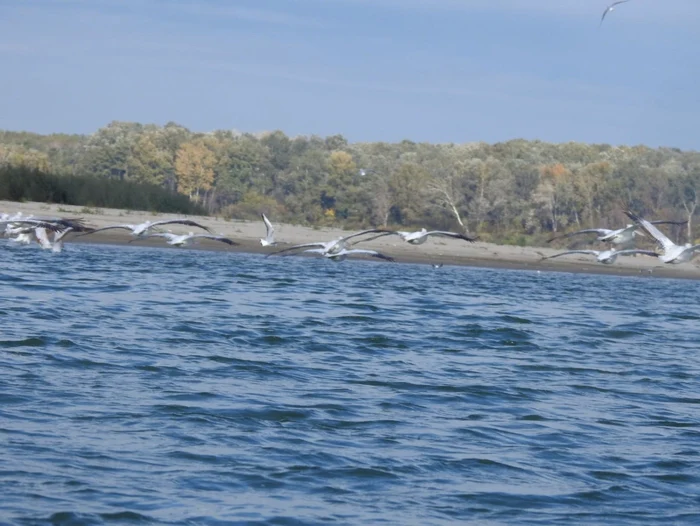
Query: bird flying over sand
x=334 y=246
x=621 y=236
x=421 y=236
x=671 y=253
x=269 y=239
x=607 y=257
x=181 y=240
x=145 y=228
x=343 y=253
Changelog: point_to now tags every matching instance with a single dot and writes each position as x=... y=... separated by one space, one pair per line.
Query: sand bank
x=435 y=250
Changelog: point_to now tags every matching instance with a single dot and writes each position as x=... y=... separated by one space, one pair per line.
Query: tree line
x=511 y=192
x=22 y=183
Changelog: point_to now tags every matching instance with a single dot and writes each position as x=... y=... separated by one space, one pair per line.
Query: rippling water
x=145 y=385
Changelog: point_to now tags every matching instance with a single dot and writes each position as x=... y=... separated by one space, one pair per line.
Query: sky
x=372 y=70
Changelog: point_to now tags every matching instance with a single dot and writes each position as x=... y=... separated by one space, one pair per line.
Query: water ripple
x=183 y=387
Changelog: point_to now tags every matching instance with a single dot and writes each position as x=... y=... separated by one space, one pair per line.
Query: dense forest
x=22 y=183
x=516 y=192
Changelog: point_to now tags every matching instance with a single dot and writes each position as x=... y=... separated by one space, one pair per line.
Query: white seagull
x=343 y=253
x=269 y=240
x=334 y=246
x=181 y=240
x=144 y=228
x=607 y=257
x=621 y=236
x=672 y=253
x=55 y=245
x=422 y=235
x=610 y=8
x=25 y=225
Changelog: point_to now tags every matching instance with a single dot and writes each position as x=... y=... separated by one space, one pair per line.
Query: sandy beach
x=435 y=250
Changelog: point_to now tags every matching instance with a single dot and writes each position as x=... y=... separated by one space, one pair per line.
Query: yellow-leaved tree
x=194 y=167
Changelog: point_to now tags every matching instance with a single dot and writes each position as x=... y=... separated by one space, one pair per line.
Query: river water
x=159 y=386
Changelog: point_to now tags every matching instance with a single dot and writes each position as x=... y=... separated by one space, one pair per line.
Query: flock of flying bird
x=50 y=233
x=622 y=241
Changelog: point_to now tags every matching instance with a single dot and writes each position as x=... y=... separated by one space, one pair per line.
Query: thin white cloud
x=264 y=16
x=202 y=8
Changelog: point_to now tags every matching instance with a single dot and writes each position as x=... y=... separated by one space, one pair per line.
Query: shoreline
x=435 y=250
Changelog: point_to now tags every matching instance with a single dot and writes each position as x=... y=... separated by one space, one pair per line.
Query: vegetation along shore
x=514 y=196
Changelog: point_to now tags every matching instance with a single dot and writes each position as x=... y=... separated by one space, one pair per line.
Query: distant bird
x=24 y=239
x=181 y=240
x=610 y=8
x=143 y=228
x=607 y=257
x=334 y=246
x=438 y=265
x=269 y=240
x=342 y=254
x=672 y=253
x=421 y=236
x=621 y=236
x=25 y=225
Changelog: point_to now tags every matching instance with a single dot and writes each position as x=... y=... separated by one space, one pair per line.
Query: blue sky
x=372 y=70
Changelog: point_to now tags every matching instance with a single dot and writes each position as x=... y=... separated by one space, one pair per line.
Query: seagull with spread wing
x=610 y=8
x=343 y=253
x=621 y=236
x=181 y=240
x=671 y=253
x=334 y=246
x=55 y=244
x=143 y=229
x=421 y=236
x=269 y=240
x=607 y=257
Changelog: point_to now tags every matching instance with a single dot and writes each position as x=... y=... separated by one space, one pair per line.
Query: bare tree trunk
x=443 y=189
x=690 y=210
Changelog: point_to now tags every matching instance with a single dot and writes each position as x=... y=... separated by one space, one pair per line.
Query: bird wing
x=60 y=235
x=269 y=229
x=665 y=222
x=637 y=251
x=455 y=235
x=187 y=222
x=372 y=253
x=598 y=231
x=166 y=235
x=41 y=237
x=124 y=227
x=36 y=223
x=370 y=231
x=295 y=247
x=610 y=8
x=650 y=229
x=385 y=233
x=223 y=239
x=590 y=252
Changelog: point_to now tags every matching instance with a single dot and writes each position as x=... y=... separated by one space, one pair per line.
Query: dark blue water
x=160 y=386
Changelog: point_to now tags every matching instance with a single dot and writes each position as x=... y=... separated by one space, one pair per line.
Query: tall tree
x=194 y=166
